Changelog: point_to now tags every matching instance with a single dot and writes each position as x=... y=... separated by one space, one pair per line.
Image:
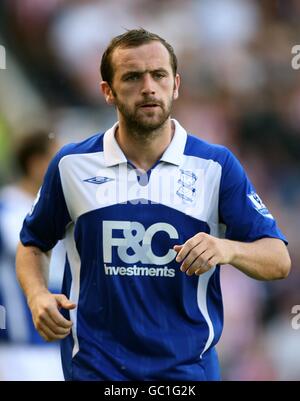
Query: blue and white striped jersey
x=138 y=316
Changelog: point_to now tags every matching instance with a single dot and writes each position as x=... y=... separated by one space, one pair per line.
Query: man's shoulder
x=92 y=144
x=197 y=147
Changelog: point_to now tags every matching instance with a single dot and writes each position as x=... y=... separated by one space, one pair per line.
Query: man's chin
x=150 y=123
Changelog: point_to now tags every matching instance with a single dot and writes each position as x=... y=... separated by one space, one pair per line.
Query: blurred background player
x=24 y=355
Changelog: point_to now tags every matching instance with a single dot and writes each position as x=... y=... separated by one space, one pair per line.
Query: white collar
x=114 y=155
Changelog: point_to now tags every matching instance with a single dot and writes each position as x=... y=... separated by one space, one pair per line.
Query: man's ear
x=176 y=87
x=107 y=92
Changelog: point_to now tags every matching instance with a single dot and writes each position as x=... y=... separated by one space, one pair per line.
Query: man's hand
x=47 y=319
x=203 y=251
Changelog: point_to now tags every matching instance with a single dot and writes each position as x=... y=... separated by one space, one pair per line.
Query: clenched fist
x=46 y=316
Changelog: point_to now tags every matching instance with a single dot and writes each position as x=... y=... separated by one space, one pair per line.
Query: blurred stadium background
x=238 y=89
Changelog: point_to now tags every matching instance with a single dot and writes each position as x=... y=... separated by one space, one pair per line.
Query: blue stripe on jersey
x=67 y=343
x=215 y=304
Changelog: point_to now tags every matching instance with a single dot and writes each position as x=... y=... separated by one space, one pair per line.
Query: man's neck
x=144 y=151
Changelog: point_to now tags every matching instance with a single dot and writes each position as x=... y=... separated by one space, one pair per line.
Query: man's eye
x=132 y=78
x=159 y=75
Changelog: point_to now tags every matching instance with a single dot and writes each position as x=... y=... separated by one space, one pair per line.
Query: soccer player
x=23 y=353
x=148 y=215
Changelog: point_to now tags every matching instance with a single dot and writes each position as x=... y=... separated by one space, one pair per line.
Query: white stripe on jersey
x=75 y=266
x=202 y=303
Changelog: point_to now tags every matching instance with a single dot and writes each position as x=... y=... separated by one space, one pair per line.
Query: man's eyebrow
x=160 y=70
x=132 y=72
x=141 y=72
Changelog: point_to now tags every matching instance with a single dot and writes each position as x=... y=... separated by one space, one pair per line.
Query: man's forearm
x=264 y=259
x=32 y=267
x=32 y=272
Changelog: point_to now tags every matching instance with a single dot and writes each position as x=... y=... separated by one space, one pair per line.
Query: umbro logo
x=98 y=180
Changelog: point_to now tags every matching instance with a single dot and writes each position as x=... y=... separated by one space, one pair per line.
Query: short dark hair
x=132 y=38
x=35 y=143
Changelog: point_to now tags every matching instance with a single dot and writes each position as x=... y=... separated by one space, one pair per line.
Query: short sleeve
x=46 y=223
x=240 y=208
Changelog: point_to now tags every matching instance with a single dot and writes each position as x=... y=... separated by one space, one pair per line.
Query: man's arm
x=264 y=259
x=32 y=269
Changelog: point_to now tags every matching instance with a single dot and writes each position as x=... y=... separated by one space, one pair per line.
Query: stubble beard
x=140 y=126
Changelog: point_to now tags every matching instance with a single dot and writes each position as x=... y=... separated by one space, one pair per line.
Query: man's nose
x=148 y=85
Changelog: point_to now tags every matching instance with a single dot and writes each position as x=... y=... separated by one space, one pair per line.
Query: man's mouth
x=149 y=105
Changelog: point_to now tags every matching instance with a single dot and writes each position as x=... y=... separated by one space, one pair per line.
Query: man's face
x=143 y=86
